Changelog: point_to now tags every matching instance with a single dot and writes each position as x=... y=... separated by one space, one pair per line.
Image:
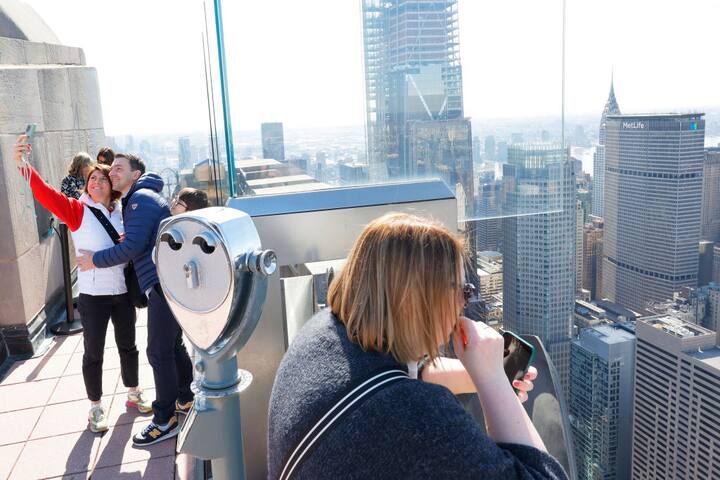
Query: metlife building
x=653 y=196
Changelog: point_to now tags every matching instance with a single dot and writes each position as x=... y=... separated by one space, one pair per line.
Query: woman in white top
x=103 y=293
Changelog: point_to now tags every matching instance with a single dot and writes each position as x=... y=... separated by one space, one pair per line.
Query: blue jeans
x=171 y=364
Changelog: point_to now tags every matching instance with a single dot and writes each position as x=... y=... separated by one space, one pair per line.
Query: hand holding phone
x=517 y=356
x=30 y=132
x=22 y=147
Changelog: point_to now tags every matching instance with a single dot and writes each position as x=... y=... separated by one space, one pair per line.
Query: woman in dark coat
x=349 y=399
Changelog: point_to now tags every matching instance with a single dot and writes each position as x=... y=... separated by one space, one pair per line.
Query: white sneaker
x=97 y=419
x=138 y=400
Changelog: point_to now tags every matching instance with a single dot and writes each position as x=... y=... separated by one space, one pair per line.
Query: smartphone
x=518 y=356
x=30 y=132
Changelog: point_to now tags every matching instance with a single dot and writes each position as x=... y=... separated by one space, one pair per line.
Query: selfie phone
x=518 y=356
x=30 y=131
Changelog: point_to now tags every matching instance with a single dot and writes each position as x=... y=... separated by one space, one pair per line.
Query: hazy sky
x=300 y=62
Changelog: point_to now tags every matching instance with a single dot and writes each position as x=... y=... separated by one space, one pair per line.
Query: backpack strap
x=356 y=395
x=105 y=222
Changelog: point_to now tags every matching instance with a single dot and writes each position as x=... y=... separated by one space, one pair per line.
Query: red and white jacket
x=87 y=234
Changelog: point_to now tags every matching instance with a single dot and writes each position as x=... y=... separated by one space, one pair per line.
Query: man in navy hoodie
x=143 y=209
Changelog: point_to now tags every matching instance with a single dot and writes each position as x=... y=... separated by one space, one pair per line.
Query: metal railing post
x=70 y=326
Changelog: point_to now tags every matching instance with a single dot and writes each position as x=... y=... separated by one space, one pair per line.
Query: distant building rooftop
x=657 y=115
x=610 y=333
x=615 y=310
x=709 y=357
x=676 y=327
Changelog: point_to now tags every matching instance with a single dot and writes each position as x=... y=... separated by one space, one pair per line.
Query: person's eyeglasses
x=178 y=203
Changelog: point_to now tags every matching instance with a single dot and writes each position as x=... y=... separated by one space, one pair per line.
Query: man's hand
x=85 y=260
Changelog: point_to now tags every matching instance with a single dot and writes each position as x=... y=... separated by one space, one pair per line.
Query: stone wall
x=49 y=85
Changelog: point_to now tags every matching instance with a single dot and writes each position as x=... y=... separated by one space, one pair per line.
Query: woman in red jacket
x=103 y=293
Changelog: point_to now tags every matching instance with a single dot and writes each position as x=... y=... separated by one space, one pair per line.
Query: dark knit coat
x=410 y=429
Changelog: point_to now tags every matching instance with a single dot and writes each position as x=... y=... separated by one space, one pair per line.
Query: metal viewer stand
x=214 y=275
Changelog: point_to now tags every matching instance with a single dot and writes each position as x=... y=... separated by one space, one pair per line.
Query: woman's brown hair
x=79 y=161
x=105 y=170
x=400 y=290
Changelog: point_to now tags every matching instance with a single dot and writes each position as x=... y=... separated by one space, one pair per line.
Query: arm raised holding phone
x=505 y=418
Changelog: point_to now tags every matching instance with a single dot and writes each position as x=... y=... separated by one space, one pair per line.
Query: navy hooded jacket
x=143 y=209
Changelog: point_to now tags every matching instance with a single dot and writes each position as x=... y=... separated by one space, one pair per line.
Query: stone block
x=12 y=51
x=95 y=140
x=19 y=99
x=73 y=141
x=85 y=94
x=17 y=214
x=52 y=160
x=30 y=281
x=35 y=53
x=55 y=98
x=64 y=55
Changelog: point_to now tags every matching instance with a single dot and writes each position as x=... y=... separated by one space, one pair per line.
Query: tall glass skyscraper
x=539 y=248
x=711 y=196
x=602 y=367
x=653 y=196
x=184 y=153
x=598 y=200
x=413 y=82
x=273 y=141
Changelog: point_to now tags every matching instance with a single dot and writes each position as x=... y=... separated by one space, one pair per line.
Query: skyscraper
x=476 y=149
x=712 y=312
x=602 y=368
x=706 y=260
x=677 y=386
x=490 y=148
x=598 y=199
x=489 y=206
x=501 y=155
x=653 y=194
x=413 y=81
x=442 y=148
x=273 y=141
x=539 y=248
x=184 y=153
x=592 y=256
x=711 y=196
x=579 y=214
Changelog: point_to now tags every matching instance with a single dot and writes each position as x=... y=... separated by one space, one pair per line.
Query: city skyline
x=301 y=89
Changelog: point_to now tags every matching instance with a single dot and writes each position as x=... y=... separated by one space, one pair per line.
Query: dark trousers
x=171 y=364
x=95 y=311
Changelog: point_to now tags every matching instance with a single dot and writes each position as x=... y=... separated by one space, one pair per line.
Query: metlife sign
x=633 y=125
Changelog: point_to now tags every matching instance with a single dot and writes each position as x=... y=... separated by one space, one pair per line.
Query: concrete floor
x=43 y=420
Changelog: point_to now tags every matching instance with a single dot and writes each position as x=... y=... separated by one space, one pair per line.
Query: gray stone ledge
x=23 y=52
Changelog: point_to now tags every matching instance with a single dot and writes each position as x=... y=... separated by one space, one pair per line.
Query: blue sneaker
x=154 y=433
